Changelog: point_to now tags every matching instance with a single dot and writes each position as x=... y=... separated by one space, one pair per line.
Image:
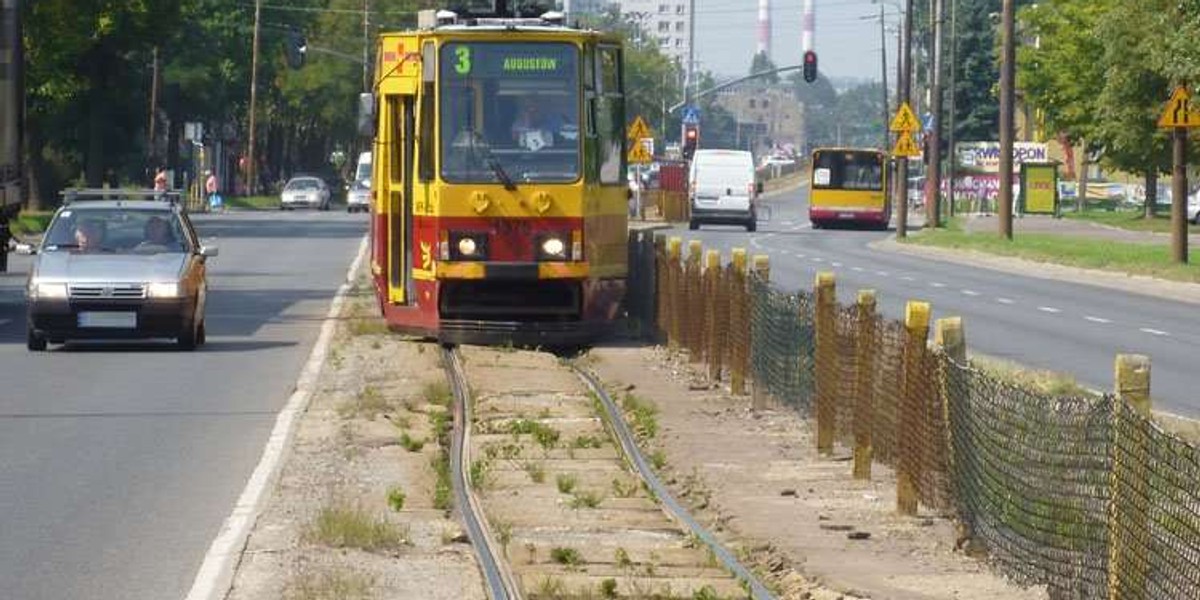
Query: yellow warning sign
x=906 y=145
x=639 y=154
x=639 y=130
x=1178 y=112
x=906 y=120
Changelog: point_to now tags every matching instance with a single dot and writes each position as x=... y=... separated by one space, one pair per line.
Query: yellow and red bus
x=499 y=196
x=849 y=185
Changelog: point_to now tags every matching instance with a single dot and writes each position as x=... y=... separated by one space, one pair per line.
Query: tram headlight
x=553 y=247
x=468 y=245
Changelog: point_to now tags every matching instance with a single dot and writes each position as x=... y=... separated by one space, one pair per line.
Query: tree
x=761 y=63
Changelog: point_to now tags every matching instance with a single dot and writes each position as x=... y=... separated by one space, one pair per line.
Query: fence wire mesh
x=1082 y=495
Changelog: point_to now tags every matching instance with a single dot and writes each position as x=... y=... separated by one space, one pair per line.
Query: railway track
x=556 y=496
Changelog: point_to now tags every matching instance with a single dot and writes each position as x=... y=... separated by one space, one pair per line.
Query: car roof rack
x=73 y=195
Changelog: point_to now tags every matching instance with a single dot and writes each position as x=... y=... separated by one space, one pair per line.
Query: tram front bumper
x=523 y=271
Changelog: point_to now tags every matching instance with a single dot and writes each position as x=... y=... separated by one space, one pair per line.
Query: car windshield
x=116 y=230
x=510 y=112
x=302 y=185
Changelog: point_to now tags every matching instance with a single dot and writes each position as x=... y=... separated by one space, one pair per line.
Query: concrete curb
x=1134 y=284
x=215 y=577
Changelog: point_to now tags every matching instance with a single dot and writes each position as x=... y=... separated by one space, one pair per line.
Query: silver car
x=305 y=191
x=118 y=269
x=358 y=197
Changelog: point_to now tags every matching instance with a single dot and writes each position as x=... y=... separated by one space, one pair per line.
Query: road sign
x=691 y=115
x=906 y=145
x=648 y=144
x=1178 y=112
x=906 y=120
x=639 y=154
x=639 y=130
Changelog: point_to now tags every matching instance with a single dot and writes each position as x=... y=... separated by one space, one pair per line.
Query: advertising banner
x=984 y=157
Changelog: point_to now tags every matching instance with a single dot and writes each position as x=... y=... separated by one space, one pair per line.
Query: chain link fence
x=1085 y=496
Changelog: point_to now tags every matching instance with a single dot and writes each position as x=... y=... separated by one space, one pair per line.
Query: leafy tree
x=761 y=63
x=977 y=104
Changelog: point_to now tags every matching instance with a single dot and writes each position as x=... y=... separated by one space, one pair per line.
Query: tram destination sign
x=509 y=60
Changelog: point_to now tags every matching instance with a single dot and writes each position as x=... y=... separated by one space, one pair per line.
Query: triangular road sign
x=639 y=130
x=1178 y=112
x=639 y=154
x=906 y=120
x=906 y=145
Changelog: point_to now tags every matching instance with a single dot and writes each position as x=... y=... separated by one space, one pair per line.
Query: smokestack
x=764 y=27
x=810 y=26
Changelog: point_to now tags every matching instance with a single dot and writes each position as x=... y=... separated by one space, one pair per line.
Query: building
x=666 y=20
x=768 y=117
x=578 y=8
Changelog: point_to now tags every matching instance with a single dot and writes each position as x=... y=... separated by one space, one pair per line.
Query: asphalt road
x=1066 y=327
x=119 y=462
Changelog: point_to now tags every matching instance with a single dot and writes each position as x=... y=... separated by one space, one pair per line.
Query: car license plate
x=846 y=215
x=108 y=320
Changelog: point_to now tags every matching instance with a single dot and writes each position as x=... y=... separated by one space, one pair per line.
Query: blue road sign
x=691 y=115
x=927 y=122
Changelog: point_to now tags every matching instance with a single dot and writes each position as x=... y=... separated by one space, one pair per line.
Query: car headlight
x=163 y=290
x=552 y=247
x=48 y=291
x=468 y=245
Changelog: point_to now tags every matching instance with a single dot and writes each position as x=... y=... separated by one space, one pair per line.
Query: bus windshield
x=842 y=170
x=510 y=112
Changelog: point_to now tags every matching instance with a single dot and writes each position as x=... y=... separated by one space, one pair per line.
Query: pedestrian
x=215 y=202
x=160 y=179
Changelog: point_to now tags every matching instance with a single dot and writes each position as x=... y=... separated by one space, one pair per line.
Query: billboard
x=984 y=157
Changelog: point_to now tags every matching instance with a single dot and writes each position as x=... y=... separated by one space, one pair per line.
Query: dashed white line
x=938 y=285
x=970 y=293
x=837 y=264
x=1005 y=301
x=882 y=273
x=858 y=269
x=1049 y=309
x=907 y=278
x=1100 y=320
x=817 y=260
x=1153 y=331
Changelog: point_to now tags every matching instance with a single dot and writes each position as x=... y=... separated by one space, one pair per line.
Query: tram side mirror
x=366 y=114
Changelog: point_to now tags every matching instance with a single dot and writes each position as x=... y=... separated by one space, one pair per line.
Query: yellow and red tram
x=499 y=198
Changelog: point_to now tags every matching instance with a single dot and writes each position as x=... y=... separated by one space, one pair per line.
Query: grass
x=253 y=202
x=30 y=223
x=342 y=525
x=658 y=459
x=624 y=489
x=642 y=415
x=443 y=491
x=481 y=471
x=368 y=404
x=566 y=556
x=1152 y=260
x=536 y=471
x=566 y=483
x=583 y=499
x=395 y=499
x=437 y=393
x=410 y=443
x=608 y=588
x=1133 y=220
x=330 y=584
x=587 y=441
x=1044 y=381
x=545 y=435
x=361 y=326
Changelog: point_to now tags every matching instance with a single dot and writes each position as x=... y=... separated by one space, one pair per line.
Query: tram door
x=401 y=128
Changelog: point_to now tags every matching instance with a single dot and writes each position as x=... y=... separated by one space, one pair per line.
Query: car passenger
x=158 y=234
x=89 y=235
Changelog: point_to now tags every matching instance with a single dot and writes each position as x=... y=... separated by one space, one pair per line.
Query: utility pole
x=1007 y=75
x=952 y=134
x=883 y=63
x=250 y=157
x=366 y=45
x=691 y=63
x=150 y=129
x=933 y=204
x=905 y=97
x=1179 y=199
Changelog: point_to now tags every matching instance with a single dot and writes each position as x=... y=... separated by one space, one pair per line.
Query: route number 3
x=463 y=66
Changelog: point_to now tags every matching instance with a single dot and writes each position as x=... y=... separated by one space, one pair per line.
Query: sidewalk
x=1045 y=224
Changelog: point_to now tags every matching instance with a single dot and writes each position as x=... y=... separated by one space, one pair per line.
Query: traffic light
x=691 y=139
x=296 y=48
x=810 y=66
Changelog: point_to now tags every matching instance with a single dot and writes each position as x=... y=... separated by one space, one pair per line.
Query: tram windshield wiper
x=498 y=169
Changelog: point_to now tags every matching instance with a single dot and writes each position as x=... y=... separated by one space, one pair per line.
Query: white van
x=723 y=189
x=358 y=196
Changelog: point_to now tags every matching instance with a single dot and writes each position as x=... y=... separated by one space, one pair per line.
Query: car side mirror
x=26 y=249
x=209 y=251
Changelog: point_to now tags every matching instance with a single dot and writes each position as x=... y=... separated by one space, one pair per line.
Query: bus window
x=848 y=171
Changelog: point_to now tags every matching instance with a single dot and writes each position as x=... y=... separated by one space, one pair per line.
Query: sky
x=847 y=46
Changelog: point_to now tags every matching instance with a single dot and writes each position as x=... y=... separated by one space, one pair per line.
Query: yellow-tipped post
x=712 y=290
x=908 y=464
x=739 y=324
x=826 y=359
x=864 y=396
x=762 y=271
x=1128 y=533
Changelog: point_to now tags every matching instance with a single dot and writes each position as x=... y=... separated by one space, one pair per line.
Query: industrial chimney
x=764 y=27
x=810 y=26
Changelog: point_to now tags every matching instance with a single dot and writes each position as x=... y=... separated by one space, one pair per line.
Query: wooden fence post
x=694 y=309
x=826 y=351
x=738 y=324
x=674 y=287
x=712 y=289
x=908 y=463
x=1128 y=532
x=864 y=389
x=762 y=271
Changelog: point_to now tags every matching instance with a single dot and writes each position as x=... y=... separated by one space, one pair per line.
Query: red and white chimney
x=810 y=26
x=764 y=27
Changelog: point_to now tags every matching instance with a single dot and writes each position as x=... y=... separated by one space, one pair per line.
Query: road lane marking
x=837 y=265
x=882 y=273
x=215 y=577
x=1100 y=320
x=1005 y=301
x=970 y=293
x=858 y=269
x=1157 y=332
x=1049 y=309
x=907 y=278
x=817 y=260
x=938 y=285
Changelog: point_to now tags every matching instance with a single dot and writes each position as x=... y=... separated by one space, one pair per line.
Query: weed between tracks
x=329 y=584
x=367 y=404
x=343 y=525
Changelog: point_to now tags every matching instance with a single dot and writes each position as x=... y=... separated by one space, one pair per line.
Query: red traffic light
x=691 y=134
x=810 y=66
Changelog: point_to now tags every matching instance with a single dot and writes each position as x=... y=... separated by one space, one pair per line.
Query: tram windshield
x=510 y=112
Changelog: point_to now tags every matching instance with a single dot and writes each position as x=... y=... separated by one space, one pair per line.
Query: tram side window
x=848 y=171
x=610 y=117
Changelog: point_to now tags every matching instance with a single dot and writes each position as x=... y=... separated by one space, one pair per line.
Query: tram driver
x=540 y=122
